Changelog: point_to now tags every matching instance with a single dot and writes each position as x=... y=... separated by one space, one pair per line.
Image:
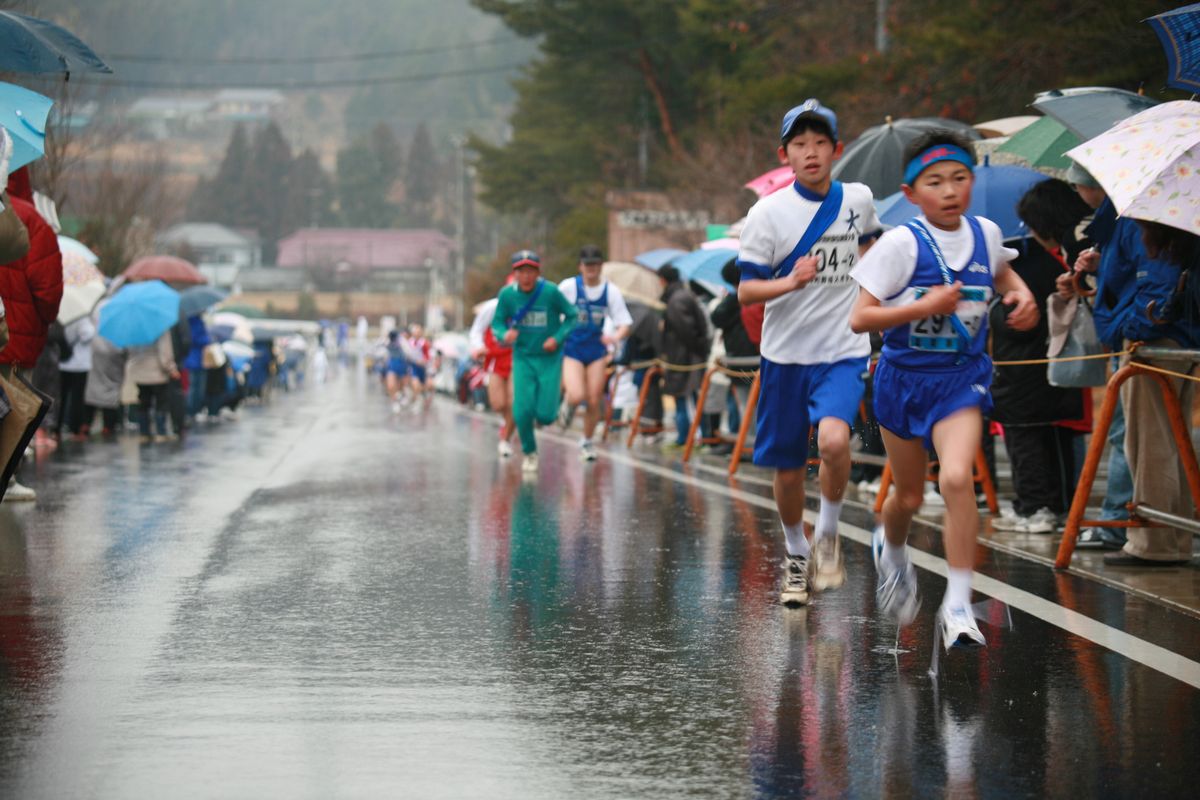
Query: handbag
x=1080 y=340
x=28 y=407
x=14 y=238
x=213 y=356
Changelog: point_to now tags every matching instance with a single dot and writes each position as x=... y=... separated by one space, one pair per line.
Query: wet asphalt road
x=322 y=600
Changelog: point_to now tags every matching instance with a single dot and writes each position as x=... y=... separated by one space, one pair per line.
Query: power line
x=146 y=58
x=305 y=85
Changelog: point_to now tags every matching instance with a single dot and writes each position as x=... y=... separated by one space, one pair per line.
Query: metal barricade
x=1141 y=515
x=723 y=364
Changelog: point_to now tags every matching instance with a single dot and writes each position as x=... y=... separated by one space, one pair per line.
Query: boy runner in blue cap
x=797 y=248
x=533 y=318
x=927 y=286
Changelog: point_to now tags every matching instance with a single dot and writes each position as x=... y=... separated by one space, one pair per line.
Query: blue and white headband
x=932 y=155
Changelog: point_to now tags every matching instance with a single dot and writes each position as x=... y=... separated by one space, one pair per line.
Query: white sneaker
x=566 y=415
x=504 y=448
x=396 y=407
x=1042 y=521
x=1009 y=520
x=529 y=464
x=896 y=591
x=795 y=582
x=587 y=450
x=828 y=571
x=958 y=627
x=933 y=498
x=17 y=492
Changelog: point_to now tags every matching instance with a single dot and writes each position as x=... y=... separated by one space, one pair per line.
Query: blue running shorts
x=585 y=352
x=397 y=366
x=910 y=402
x=418 y=372
x=794 y=397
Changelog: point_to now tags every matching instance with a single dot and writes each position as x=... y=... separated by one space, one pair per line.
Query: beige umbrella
x=78 y=300
x=636 y=282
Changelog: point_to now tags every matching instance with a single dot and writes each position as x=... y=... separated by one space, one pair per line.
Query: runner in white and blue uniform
x=926 y=286
x=585 y=351
x=797 y=248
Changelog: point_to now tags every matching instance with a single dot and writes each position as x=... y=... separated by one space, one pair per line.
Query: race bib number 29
x=937 y=334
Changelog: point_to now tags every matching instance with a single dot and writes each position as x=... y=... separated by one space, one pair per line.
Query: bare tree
x=123 y=203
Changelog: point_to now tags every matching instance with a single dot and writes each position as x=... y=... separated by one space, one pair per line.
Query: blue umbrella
x=23 y=114
x=29 y=44
x=139 y=313
x=654 y=259
x=995 y=196
x=1179 y=32
x=705 y=265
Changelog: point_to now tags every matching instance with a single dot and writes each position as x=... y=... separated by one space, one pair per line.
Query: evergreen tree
x=310 y=196
x=421 y=182
x=221 y=199
x=366 y=172
x=266 y=187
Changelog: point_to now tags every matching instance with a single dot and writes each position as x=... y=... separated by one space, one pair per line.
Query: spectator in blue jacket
x=194 y=364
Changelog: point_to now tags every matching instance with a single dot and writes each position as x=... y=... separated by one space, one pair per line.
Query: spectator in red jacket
x=31 y=288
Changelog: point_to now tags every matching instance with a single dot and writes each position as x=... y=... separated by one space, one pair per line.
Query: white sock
x=797 y=542
x=827 y=520
x=958 y=588
x=894 y=554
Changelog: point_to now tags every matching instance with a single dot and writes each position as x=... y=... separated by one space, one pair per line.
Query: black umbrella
x=29 y=44
x=1091 y=110
x=876 y=158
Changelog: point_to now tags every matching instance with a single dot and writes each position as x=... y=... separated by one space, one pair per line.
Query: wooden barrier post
x=735 y=457
x=635 y=424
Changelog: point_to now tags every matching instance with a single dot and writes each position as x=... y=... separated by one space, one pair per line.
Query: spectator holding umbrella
x=152 y=367
x=31 y=288
x=685 y=343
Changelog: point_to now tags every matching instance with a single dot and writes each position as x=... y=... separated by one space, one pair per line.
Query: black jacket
x=685 y=339
x=1021 y=394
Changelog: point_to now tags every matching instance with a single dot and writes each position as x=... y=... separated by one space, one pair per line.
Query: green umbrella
x=1042 y=144
x=249 y=312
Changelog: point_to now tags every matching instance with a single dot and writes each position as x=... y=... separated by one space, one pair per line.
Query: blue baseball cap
x=526 y=258
x=812 y=109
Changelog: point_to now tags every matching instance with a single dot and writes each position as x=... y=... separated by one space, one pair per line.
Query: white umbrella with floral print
x=1150 y=164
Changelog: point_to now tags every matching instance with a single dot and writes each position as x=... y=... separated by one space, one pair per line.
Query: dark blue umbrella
x=655 y=259
x=197 y=299
x=995 y=196
x=29 y=44
x=1179 y=32
x=139 y=313
x=1091 y=110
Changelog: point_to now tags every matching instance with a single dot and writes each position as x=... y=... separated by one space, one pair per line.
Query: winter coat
x=107 y=375
x=1021 y=394
x=685 y=339
x=727 y=317
x=80 y=334
x=200 y=339
x=32 y=289
x=153 y=364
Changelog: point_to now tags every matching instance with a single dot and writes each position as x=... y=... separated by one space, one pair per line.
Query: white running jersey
x=811 y=325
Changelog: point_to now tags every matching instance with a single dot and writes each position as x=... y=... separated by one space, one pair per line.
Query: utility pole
x=460 y=230
x=881 y=36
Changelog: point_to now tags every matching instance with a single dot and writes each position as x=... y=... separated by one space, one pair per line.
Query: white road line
x=1146 y=653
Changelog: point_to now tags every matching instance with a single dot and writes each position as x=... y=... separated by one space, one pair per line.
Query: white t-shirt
x=811 y=325
x=887 y=268
x=616 y=310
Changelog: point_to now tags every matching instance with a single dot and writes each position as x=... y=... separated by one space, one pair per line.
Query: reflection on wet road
x=326 y=601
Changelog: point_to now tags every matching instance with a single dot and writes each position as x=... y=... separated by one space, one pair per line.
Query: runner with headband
x=926 y=286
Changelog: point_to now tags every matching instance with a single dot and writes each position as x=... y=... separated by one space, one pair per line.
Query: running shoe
x=396 y=407
x=587 y=450
x=828 y=571
x=896 y=592
x=529 y=464
x=958 y=627
x=877 y=545
x=795 y=582
x=566 y=415
x=504 y=448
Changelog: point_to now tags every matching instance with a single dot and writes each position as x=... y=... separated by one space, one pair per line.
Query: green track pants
x=537 y=384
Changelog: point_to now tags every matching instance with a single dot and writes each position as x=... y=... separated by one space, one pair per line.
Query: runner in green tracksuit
x=533 y=317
